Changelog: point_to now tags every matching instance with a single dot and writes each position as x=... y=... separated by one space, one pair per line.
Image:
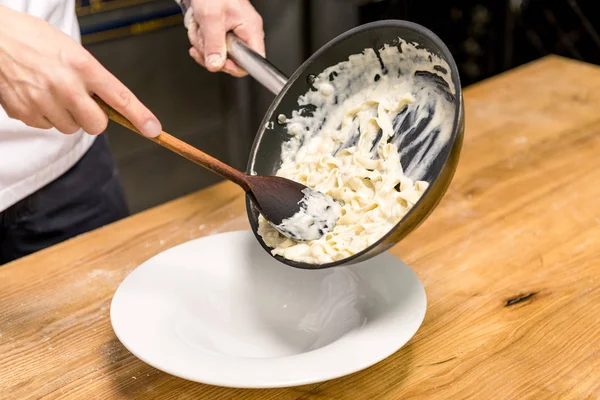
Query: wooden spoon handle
x=180 y=147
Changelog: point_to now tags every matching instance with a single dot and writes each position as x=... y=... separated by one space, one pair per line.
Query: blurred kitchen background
x=144 y=43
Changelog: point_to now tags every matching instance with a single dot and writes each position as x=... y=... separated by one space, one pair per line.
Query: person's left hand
x=212 y=20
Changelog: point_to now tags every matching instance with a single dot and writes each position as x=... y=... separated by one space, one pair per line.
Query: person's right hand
x=211 y=21
x=47 y=80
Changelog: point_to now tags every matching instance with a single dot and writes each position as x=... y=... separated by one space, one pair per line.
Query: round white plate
x=219 y=310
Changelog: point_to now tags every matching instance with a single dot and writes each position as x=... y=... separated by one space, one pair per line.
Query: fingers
x=230 y=67
x=40 y=123
x=54 y=104
x=88 y=114
x=251 y=30
x=114 y=93
x=196 y=56
x=16 y=109
x=70 y=105
x=65 y=103
x=233 y=69
x=195 y=39
x=62 y=120
x=213 y=30
x=207 y=32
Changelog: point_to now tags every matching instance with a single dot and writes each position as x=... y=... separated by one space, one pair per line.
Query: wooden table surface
x=510 y=261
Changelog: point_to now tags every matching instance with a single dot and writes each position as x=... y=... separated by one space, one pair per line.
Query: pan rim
x=458 y=118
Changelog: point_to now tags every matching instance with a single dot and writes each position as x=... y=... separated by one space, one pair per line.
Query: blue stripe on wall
x=124 y=17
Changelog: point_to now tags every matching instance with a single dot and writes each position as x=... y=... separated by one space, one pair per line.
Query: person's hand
x=212 y=19
x=47 y=80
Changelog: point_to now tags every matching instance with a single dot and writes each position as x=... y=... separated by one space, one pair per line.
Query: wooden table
x=510 y=261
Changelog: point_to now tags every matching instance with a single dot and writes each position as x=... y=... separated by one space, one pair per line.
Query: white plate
x=219 y=310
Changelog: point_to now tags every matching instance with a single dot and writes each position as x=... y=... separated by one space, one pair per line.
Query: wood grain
x=510 y=261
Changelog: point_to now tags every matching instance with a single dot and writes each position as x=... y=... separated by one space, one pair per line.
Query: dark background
x=488 y=37
x=145 y=45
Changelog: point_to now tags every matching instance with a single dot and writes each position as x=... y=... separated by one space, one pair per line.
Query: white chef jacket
x=31 y=158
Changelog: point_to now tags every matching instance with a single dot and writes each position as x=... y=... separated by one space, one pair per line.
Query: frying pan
x=265 y=156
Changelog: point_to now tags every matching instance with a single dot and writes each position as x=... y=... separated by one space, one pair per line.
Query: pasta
x=348 y=149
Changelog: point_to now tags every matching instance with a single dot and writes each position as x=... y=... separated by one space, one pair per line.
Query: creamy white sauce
x=349 y=136
x=318 y=215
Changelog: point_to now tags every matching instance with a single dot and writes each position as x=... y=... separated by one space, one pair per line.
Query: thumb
x=215 y=51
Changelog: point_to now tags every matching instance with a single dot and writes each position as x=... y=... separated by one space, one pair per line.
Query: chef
x=57 y=177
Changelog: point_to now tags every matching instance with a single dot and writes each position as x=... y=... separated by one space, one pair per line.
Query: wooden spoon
x=295 y=210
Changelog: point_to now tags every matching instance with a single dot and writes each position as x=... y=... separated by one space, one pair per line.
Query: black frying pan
x=266 y=151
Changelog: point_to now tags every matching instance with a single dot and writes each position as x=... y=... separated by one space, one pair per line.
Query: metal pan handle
x=257 y=66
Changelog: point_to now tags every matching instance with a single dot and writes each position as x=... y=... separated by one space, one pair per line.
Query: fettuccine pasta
x=347 y=150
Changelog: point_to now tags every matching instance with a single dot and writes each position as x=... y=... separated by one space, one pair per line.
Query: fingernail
x=151 y=128
x=214 y=61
